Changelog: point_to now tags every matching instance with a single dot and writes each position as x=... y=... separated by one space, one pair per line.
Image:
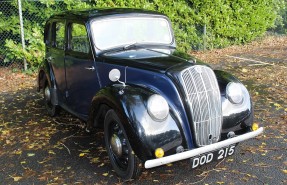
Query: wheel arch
x=41 y=80
x=45 y=74
x=100 y=106
x=130 y=105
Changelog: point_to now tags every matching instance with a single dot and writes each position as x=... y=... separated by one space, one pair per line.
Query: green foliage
x=15 y=50
x=34 y=15
x=227 y=21
x=281 y=19
x=234 y=22
x=34 y=51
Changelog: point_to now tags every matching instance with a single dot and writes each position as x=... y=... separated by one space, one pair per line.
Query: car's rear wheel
x=53 y=110
x=125 y=163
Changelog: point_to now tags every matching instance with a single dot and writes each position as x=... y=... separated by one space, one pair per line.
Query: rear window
x=60 y=35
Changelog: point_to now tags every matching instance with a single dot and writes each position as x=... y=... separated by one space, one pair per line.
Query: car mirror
x=114 y=75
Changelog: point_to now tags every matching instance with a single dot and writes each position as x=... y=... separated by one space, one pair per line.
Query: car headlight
x=157 y=107
x=234 y=93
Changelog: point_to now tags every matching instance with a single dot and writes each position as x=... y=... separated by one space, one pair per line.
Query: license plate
x=212 y=156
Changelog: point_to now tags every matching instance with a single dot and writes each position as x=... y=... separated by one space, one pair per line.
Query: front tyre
x=125 y=163
x=53 y=110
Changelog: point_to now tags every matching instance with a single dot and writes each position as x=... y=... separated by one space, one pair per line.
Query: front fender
x=236 y=118
x=144 y=134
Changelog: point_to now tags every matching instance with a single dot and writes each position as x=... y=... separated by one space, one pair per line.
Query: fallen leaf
x=17 y=178
x=8 y=141
x=229 y=160
x=95 y=160
x=81 y=154
x=19 y=152
x=278 y=106
x=43 y=178
x=220 y=182
x=23 y=162
x=30 y=154
x=51 y=152
x=244 y=70
x=105 y=174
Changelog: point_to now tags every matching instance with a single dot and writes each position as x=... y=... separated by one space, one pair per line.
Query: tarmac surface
x=38 y=149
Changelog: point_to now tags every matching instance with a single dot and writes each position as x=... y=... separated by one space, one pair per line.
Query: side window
x=79 y=39
x=60 y=35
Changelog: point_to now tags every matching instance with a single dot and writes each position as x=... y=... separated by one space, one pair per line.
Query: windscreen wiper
x=131 y=46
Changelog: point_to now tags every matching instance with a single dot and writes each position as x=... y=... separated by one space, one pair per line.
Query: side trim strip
x=208 y=148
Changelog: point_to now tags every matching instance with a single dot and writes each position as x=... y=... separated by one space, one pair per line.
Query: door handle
x=92 y=68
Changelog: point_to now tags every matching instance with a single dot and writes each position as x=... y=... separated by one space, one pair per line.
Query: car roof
x=94 y=13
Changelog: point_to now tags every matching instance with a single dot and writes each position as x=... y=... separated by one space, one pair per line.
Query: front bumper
x=192 y=153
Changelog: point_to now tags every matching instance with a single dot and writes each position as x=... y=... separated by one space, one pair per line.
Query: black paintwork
x=146 y=70
x=86 y=15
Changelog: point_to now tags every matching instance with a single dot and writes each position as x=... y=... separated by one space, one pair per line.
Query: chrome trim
x=92 y=68
x=198 y=151
x=116 y=145
x=203 y=96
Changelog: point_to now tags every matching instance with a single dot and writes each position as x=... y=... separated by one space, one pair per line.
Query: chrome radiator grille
x=201 y=88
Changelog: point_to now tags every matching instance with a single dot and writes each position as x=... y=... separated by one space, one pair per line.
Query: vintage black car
x=119 y=69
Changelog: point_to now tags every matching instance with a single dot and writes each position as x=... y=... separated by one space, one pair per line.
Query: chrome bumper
x=192 y=153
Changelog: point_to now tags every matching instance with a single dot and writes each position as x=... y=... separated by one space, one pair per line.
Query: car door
x=56 y=53
x=81 y=74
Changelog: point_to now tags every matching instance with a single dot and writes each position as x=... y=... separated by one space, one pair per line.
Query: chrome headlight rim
x=234 y=93
x=157 y=107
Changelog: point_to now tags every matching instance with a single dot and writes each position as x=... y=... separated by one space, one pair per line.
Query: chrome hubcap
x=47 y=94
x=116 y=145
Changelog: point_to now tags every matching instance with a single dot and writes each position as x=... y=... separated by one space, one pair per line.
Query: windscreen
x=113 y=32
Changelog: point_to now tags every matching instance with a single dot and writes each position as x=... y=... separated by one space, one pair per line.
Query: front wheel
x=125 y=163
x=53 y=110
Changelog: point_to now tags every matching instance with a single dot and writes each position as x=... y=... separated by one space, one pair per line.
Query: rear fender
x=46 y=75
